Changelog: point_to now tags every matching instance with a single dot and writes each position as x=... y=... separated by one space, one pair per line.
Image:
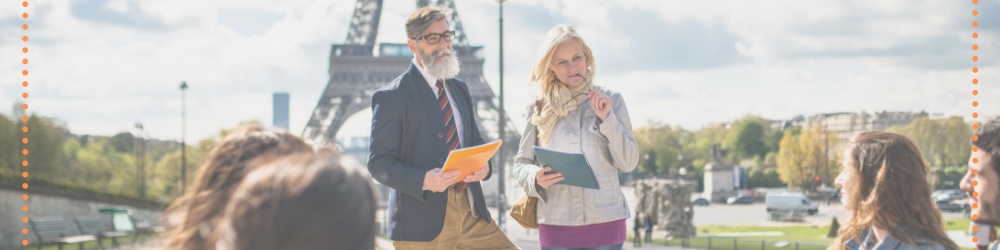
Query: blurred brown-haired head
x=885 y=186
x=192 y=217
x=303 y=201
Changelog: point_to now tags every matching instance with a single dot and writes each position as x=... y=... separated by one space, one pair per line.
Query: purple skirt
x=593 y=235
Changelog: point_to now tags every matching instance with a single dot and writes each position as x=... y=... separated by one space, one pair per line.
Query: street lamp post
x=680 y=166
x=826 y=151
x=501 y=194
x=140 y=151
x=184 y=86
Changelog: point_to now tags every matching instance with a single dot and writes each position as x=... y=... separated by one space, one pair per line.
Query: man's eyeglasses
x=436 y=38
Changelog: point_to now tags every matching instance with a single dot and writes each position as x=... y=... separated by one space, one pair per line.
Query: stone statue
x=717 y=153
x=668 y=203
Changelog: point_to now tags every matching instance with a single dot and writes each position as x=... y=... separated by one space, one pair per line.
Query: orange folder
x=470 y=159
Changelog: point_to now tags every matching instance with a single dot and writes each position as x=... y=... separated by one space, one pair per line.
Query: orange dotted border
x=24 y=129
x=975 y=115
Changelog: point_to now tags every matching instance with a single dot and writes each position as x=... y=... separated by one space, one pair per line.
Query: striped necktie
x=451 y=136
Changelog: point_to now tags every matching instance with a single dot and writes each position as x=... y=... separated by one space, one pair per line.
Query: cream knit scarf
x=557 y=102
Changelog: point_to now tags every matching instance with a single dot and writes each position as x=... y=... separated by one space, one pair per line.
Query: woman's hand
x=600 y=103
x=545 y=180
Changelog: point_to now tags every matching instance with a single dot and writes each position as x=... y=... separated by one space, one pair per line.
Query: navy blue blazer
x=407 y=140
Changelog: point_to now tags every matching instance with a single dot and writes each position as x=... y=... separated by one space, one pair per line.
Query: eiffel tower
x=359 y=67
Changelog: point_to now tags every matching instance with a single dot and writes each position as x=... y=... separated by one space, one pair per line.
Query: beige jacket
x=608 y=146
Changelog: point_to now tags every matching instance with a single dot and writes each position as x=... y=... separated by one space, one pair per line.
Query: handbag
x=525 y=210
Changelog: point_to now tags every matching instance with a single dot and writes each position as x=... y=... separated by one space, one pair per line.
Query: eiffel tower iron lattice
x=360 y=66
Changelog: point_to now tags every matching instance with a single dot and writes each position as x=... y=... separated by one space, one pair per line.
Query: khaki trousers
x=462 y=230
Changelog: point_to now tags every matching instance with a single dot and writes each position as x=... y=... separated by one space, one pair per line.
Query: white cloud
x=777 y=59
x=120 y=6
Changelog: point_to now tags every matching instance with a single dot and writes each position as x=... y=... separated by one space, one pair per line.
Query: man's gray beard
x=445 y=68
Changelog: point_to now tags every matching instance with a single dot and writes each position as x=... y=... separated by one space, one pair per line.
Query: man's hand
x=437 y=181
x=546 y=180
x=479 y=174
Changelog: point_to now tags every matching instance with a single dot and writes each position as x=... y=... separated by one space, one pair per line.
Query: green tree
x=806 y=156
x=942 y=142
x=773 y=141
x=791 y=161
x=956 y=149
x=770 y=160
x=664 y=145
x=123 y=142
x=97 y=164
x=166 y=181
x=697 y=147
x=8 y=146
x=756 y=178
x=44 y=146
x=166 y=185
x=946 y=177
x=103 y=168
x=649 y=162
x=773 y=178
x=747 y=138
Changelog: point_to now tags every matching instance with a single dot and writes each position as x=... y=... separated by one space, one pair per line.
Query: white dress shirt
x=457 y=116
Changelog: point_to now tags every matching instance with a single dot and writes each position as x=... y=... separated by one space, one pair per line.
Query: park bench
x=144 y=228
x=123 y=221
x=93 y=226
x=53 y=230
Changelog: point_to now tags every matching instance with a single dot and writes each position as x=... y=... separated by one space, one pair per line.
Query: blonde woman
x=573 y=115
x=885 y=189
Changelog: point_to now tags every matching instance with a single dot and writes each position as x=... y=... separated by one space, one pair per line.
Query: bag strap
x=538 y=110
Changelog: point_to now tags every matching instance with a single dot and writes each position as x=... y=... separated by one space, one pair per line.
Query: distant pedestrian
x=648 y=224
x=636 y=235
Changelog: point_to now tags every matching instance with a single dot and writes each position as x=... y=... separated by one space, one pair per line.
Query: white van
x=790 y=202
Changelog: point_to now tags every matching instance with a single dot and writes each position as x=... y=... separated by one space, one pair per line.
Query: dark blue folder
x=573 y=166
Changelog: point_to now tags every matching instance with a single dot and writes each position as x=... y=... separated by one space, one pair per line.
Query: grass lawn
x=813 y=234
x=807 y=237
x=957 y=224
x=123 y=241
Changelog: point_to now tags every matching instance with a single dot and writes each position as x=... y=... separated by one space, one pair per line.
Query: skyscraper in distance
x=280 y=108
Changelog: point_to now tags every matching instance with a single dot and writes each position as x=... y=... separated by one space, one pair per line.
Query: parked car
x=740 y=200
x=947 y=195
x=699 y=202
x=936 y=193
x=947 y=205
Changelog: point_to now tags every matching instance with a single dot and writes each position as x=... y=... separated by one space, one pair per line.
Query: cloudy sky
x=102 y=65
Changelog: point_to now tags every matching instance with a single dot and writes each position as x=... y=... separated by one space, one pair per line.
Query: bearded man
x=417 y=120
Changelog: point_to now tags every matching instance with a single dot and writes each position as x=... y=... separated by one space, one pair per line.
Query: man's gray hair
x=420 y=20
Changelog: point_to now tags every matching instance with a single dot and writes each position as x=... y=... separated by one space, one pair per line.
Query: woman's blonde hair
x=541 y=73
x=553 y=94
x=890 y=191
x=192 y=218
